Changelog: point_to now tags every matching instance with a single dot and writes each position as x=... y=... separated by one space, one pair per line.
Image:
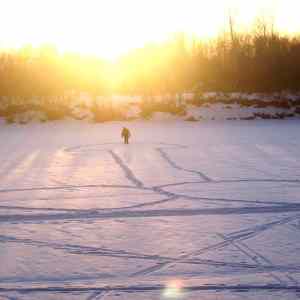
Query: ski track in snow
x=260 y=264
x=97 y=295
x=247 y=251
x=87 y=250
x=237 y=236
x=167 y=158
x=128 y=173
x=158 y=287
x=129 y=214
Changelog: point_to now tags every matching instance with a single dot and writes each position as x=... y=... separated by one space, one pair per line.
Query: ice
x=206 y=210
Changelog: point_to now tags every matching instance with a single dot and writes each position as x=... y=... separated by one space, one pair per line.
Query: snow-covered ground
x=204 y=211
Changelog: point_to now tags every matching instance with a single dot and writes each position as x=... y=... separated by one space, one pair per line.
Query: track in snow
x=282 y=274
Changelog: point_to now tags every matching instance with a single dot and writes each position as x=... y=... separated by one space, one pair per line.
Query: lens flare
x=174 y=290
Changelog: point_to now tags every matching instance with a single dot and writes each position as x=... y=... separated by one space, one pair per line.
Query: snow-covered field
x=204 y=211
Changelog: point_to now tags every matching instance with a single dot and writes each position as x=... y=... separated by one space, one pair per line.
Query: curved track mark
x=166 y=157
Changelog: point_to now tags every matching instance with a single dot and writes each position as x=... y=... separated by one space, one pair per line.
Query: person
x=126 y=135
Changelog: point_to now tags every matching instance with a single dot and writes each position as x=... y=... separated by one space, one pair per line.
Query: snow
x=206 y=210
x=164 y=116
x=133 y=112
x=231 y=111
x=80 y=113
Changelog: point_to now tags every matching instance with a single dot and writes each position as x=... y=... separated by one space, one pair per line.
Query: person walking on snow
x=125 y=135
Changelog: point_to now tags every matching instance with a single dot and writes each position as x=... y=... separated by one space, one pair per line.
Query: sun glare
x=173 y=290
x=110 y=28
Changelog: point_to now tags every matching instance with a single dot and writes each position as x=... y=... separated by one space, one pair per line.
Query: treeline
x=44 y=72
x=262 y=60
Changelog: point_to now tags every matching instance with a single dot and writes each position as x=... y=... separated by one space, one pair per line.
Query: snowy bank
x=185 y=107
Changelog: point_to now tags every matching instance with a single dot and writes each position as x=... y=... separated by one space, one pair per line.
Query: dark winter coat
x=125 y=133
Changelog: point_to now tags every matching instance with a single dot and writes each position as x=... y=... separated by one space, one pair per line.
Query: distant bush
x=56 y=112
x=147 y=109
x=191 y=119
x=104 y=114
x=9 y=119
x=53 y=114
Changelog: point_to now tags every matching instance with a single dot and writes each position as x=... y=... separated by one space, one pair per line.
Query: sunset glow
x=111 y=28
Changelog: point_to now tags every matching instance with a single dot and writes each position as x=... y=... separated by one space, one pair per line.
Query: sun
x=110 y=28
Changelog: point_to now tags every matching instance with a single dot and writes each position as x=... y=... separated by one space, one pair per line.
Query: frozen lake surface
x=186 y=211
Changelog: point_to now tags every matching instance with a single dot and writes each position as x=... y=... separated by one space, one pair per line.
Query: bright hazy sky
x=112 y=27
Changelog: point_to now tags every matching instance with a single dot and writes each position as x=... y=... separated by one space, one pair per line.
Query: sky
x=110 y=28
